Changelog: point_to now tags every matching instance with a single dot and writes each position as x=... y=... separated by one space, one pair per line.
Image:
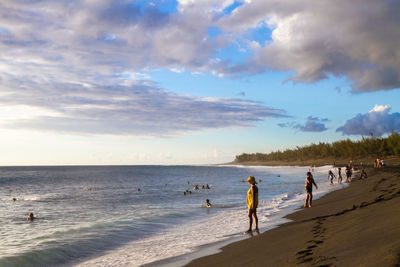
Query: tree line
x=366 y=147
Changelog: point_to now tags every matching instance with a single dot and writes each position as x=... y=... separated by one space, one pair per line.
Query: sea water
x=135 y=215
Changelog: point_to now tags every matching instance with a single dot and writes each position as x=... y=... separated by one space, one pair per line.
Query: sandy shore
x=355 y=226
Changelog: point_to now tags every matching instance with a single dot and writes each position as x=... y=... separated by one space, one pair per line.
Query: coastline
x=357 y=225
x=367 y=162
x=215 y=247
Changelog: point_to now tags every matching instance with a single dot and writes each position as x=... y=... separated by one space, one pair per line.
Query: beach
x=354 y=226
x=96 y=215
x=68 y=202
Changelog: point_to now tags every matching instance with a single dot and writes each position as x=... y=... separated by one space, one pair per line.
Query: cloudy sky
x=192 y=81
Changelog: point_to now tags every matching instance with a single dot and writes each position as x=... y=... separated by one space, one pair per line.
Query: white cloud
x=177 y=69
x=356 y=39
x=140 y=109
x=377 y=121
x=380 y=108
x=87 y=60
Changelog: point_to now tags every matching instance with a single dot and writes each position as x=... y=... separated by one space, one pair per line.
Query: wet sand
x=356 y=226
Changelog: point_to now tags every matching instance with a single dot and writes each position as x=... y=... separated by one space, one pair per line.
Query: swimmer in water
x=208 y=204
x=31 y=217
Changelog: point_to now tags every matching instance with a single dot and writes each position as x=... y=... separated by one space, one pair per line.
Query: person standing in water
x=309 y=183
x=252 y=203
x=331 y=176
x=348 y=173
x=339 y=176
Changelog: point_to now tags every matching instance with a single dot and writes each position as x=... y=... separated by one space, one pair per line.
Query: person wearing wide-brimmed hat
x=252 y=203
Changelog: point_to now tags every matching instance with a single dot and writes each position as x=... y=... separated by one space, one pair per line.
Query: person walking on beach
x=252 y=203
x=309 y=183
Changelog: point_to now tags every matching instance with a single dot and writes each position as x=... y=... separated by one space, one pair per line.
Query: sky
x=96 y=82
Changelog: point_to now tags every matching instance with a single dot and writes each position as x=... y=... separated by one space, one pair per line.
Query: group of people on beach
x=379 y=163
x=348 y=172
x=252 y=193
x=252 y=200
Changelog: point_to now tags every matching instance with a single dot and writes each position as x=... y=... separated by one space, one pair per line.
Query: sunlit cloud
x=314 y=41
x=86 y=64
x=377 y=121
x=355 y=39
x=140 y=109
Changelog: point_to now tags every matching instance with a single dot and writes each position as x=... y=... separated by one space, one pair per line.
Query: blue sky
x=192 y=82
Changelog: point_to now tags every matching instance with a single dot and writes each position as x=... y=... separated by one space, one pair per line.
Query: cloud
x=86 y=62
x=312 y=124
x=356 y=39
x=84 y=65
x=107 y=35
x=137 y=109
x=378 y=121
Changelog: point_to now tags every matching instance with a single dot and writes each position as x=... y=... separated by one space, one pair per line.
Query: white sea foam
x=119 y=226
x=213 y=227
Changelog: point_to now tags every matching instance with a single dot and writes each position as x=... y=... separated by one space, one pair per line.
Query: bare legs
x=253 y=213
x=308 y=201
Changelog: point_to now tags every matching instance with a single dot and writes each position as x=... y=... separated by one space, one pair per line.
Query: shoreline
x=343 y=228
x=215 y=247
x=367 y=162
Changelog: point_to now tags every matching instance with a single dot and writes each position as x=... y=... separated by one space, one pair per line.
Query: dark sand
x=355 y=226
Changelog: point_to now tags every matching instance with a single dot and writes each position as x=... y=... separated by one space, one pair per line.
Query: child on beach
x=208 y=204
x=348 y=173
x=363 y=175
x=331 y=176
x=309 y=183
x=252 y=203
x=340 y=175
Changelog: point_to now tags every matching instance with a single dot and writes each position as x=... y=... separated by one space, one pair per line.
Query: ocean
x=136 y=215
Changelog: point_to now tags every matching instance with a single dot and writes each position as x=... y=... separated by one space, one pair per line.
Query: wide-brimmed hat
x=251 y=180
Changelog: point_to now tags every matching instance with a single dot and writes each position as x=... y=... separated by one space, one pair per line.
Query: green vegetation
x=367 y=147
